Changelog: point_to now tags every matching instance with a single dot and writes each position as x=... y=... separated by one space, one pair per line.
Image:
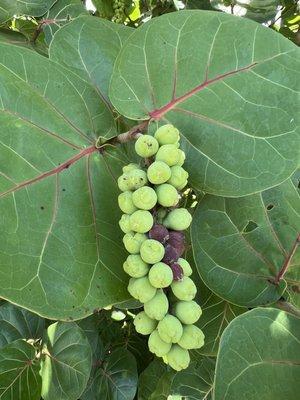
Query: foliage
x=76 y=90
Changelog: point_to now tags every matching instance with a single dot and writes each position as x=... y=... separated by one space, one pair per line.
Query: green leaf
x=18 y=323
x=174 y=68
x=12 y=37
x=19 y=372
x=113 y=377
x=61 y=13
x=67 y=364
x=72 y=45
x=59 y=234
x=9 y=8
x=259 y=347
x=240 y=245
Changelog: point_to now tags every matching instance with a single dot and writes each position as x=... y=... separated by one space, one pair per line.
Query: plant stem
x=288 y=307
x=287 y=261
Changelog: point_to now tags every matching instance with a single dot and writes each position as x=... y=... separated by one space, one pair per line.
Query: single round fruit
x=143 y=324
x=187 y=269
x=123 y=183
x=169 y=154
x=177 y=272
x=141 y=289
x=146 y=146
x=125 y=202
x=144 y=198
x=167 y=195
x=159 y=232
x=178 y=219
x=157 y=345
x=184 y=289
x=160 y=275
x=167 y=134
x=192 y=338
x=178 y=358
x=135 y=266
x=181 y=157
x=170 y=329
x=177 y=240
x=188 y=312
x=161 y=214
x=171 y=255
x=130 y=167
x=179 y=176
x=133 y=241
x=124 y=223
x=152 y=251
x=158 y=172
x=136 y=178
x=158 y=306
x=141 y=221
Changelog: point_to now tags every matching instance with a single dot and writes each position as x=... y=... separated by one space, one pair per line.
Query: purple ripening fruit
x=177 y=272
x=176 y=240
x=159 y=232
x=171 y=255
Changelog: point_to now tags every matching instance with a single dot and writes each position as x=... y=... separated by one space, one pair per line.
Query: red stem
x=287 y=261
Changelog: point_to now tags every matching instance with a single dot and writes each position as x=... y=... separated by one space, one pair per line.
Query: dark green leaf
x=17 y=323
x=227 y=127
x=67 y=363
x=19 y=372
x=240 y=245
x=259 y=357
x=9 y=8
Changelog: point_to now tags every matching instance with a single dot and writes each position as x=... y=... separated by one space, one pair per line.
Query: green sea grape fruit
x=125 y=202
x=137 y=178
x=135 y=266
x=178 y=219
x=185 y=265
x=183 y=185
x=178 y=177
x=188 y=312
x=141 y=289
x=157 y=345
x=181 y=158
x=160 y=275
x=124 y=223
x=143 y=324
x=185 y=289
x=170 y=329
x=168 y=153
x=192 y=338
x=133 y=241
x=152 y=251
x=130 y=167
x=178 y=358
x=141 y=221
x=167 y=134
x=123 y=183
x=158 y=172
x=167 y=195
x=158 y=306
x=161 y=214
x=146 y=146
x=144 y=198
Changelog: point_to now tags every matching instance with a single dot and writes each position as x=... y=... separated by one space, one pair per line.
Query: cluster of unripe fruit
x=153 y=224
x=118 y=7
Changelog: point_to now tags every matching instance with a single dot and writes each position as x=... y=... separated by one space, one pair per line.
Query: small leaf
x=19 y=372
x=18 y=323
x=259 y=346
x=67 y=363
x=240 y=245
x=36 y=8
x=113 y=377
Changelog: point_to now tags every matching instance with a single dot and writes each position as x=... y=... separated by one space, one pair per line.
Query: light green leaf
x=67 y=363
x=259 y=357
x=61 y=13
x=113 y=377
x=19 y=372
x=240 y=245
x=18 y=323
x=174 y=68
x=60 y=244
x=9 y=8
x=72 y=46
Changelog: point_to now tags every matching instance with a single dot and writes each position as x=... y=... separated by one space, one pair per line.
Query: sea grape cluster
x=153 y=223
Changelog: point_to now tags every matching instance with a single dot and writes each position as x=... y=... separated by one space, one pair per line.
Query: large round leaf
x=60 y=251
x=259 y=357
x=228 y=84
x=19 y=372
x=67 y=363
x=241 y=245
x=9 y=8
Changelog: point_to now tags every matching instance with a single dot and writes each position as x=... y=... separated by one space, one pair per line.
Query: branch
x=288 y=307
x=287 y=261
